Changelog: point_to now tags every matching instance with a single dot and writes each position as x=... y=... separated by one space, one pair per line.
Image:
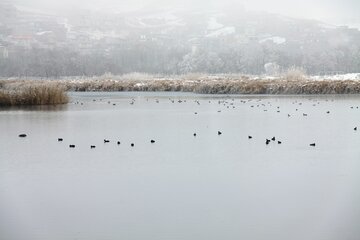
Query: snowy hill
x=170 y=40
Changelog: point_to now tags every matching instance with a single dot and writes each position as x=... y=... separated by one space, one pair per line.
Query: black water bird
x=22 y=135
x=60 y=139
x=194 y=134
x=219 y=133
x=118 y=142
x=92 y=146
x=71 y=146
x=132 y=145
x=355 y=128
x=279 y=142
x=267 y=141
x=312 y=144
x=249 y=137
x=106 y=141
x=152 y=141
x=273 y=138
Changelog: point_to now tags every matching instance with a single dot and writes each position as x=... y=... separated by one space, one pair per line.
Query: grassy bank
x=32 y=94
x=225 y=84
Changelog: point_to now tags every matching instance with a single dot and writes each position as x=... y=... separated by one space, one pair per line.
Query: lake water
x=182 y=187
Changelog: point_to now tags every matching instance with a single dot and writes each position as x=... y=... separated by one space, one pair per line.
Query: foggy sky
x=331 y=11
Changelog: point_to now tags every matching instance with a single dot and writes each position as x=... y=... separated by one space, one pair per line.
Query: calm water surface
x=182 y=187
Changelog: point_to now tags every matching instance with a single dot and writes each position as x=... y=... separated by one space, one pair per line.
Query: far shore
x=223 y=84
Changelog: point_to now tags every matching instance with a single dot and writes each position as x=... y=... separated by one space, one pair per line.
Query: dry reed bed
x=32 y=94
x=205 y=86
x=243 y=86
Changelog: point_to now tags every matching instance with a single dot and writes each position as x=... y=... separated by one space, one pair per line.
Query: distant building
x=4 y=52
x=24 y=41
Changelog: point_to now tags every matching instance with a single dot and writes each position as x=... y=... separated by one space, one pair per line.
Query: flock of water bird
x=228 y=103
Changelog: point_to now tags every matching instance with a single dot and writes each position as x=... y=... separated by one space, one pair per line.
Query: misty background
x=340 y=12
x=49 y=38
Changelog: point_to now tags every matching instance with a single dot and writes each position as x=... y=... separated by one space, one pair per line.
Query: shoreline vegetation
x=29 y=94
x=32 y=91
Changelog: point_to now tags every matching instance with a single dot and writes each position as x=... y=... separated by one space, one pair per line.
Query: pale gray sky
x=332 y=11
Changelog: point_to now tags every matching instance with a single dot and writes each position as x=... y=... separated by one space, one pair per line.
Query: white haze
x=340 y=12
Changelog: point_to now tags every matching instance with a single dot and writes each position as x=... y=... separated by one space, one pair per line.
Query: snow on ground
x=221 y=32
x=213 y=24
x=66 y=24
x=42 y=33
x=217 y=29
x=348 y=76
x=277 y=40
x=327 y=26
x=167 y=20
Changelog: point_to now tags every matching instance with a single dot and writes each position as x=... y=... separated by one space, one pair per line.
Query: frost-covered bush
x=295 y=74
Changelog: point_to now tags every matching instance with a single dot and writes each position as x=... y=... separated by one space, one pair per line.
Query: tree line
x=158 y=58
